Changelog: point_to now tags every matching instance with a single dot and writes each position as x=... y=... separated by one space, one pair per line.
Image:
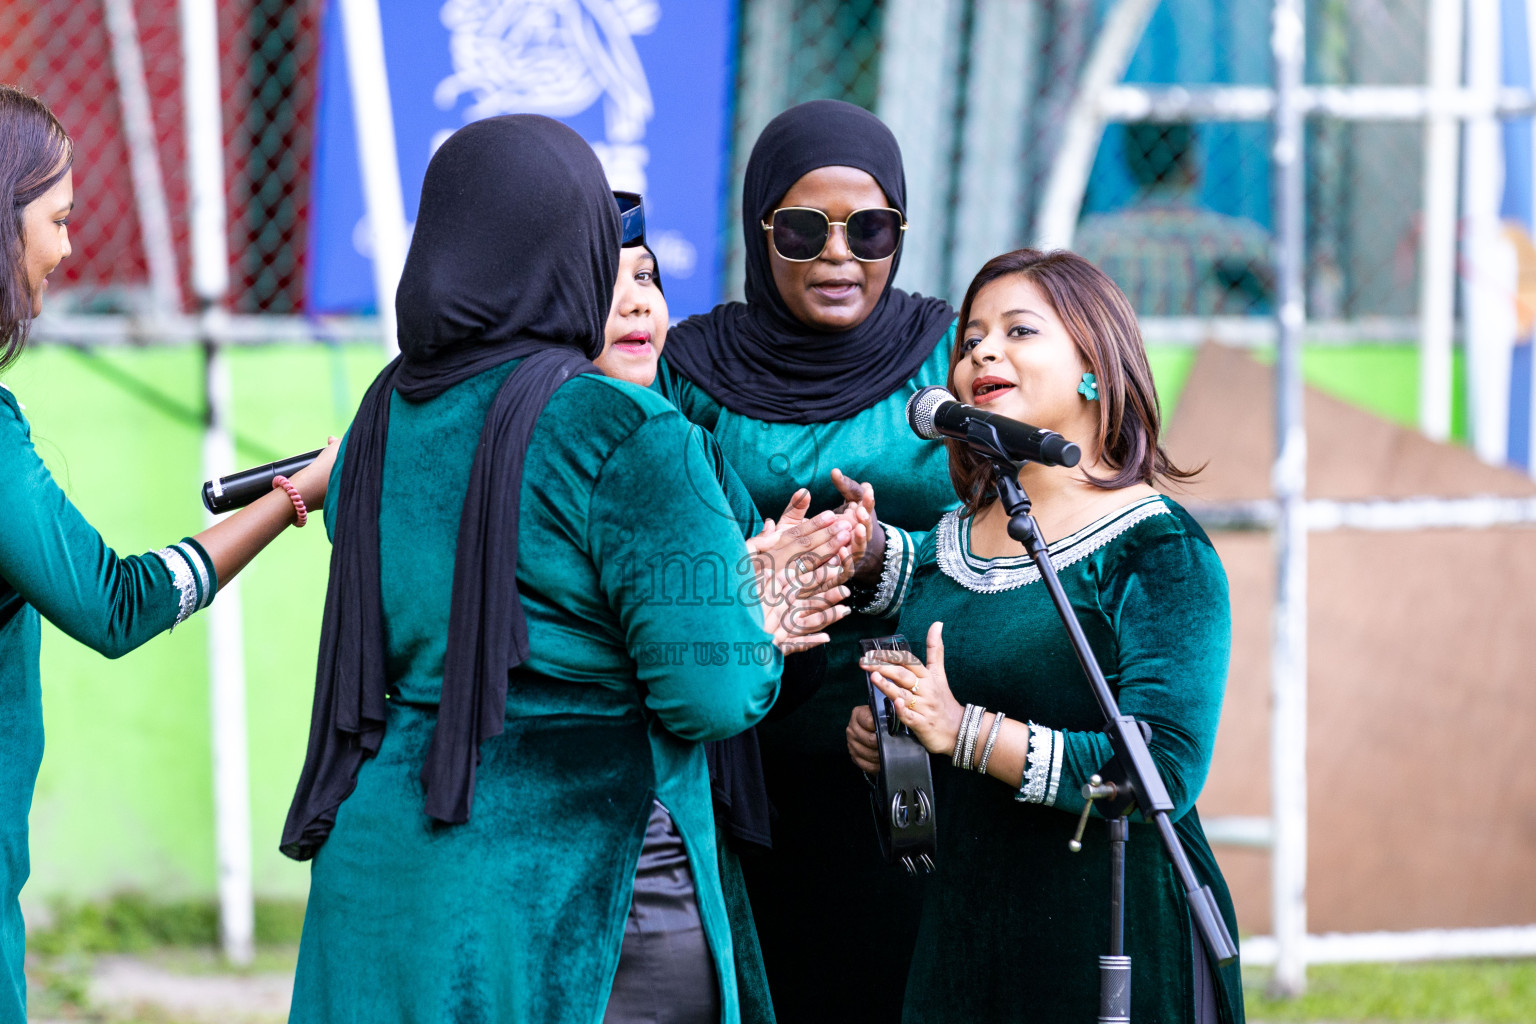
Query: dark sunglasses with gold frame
x=801 y=233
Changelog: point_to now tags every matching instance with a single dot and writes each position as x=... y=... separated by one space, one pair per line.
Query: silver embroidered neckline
x=998 y=574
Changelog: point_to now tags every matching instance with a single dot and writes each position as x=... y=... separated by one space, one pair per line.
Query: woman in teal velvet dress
x=1012 y=922
x=533 y=622
x=53 y=565
x=809 y=377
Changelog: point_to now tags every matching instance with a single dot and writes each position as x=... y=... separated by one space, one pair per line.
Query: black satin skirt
x=666 y=974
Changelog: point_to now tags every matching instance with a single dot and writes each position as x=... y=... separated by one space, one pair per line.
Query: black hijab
x=515 y=255
x=756 y=358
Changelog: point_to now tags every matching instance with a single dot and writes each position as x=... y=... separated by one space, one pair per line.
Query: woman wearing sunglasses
x=807 y=378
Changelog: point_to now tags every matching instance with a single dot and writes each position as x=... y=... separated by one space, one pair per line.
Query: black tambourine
x=902 y=795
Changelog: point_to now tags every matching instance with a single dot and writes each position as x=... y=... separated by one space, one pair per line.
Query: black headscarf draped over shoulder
x=756 y=358
x=515 y=255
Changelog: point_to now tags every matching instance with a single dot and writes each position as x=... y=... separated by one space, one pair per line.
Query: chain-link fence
x=1179 y=213
x=90 y=60
x=979 y=92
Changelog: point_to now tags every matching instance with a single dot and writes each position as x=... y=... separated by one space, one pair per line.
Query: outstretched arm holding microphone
x=53 y=563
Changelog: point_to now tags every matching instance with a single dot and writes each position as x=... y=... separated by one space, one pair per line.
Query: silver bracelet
x=967 y=757
x=965 y=722
x=997 y=727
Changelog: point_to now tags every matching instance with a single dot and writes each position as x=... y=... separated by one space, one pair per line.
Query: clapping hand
x=808 y=553
x=799 y=563
x=867 y=548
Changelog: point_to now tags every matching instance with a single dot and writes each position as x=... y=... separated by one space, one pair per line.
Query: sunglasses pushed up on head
x=631 y=218
x=801 y=233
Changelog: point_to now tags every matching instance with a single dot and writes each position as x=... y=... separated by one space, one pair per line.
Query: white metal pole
x=991 y=209
x=226 y=648
x=202 y=100
x=1489 y=271
x=920 y=48
x=378 y=157
x=226 y=670
x=1437 y=258
x=1062 y=198
x=144 y=159
x=1288 y=659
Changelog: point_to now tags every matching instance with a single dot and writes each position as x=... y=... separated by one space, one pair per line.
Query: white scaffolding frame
x=1441 y=105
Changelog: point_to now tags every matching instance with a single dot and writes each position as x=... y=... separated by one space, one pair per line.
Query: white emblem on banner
x=556 y=57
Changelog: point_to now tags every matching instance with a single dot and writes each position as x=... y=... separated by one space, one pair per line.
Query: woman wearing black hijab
x=505 y=786
x=810 y=376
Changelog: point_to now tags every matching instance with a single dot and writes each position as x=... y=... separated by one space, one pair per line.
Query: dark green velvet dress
x=53 y=564
x=751 y=975
x=641 y=645
x=825 y=868
x=1013 y=923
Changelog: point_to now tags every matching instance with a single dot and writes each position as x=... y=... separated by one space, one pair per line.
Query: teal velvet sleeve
x=738 y=505
x=60 y=565
x=1167 y=596
x=706 y=665
x=691 y=400
x=333 y=487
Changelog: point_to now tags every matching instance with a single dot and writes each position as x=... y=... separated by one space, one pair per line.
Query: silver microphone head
x=921 y=408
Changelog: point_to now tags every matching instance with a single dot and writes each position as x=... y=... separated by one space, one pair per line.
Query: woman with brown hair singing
x=1012 y=922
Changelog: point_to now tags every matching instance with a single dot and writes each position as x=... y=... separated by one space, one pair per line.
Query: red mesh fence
x=62 y=51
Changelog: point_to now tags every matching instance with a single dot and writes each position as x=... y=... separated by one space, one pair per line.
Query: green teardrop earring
x=1089 y=388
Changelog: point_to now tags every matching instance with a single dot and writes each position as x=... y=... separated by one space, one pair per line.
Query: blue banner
x=1518 y=210
x=646 y=82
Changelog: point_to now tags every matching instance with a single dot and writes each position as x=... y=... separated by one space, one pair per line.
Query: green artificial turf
x=1460 y=991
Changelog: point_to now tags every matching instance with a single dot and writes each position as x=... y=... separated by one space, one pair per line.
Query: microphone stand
x=1129 y=780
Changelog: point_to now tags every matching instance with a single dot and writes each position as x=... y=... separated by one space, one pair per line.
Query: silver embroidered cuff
x=1042 y=768
x=891 y=572
x=1058 y=747
x=202 y=570
x=191 y=577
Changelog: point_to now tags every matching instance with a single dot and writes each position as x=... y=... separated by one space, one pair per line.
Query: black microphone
x=934 y=413
x=238 y=490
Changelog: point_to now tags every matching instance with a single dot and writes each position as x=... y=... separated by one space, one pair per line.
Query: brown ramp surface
x=1422 y=671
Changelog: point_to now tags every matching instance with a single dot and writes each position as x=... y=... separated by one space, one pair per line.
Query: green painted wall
x=124 y=800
